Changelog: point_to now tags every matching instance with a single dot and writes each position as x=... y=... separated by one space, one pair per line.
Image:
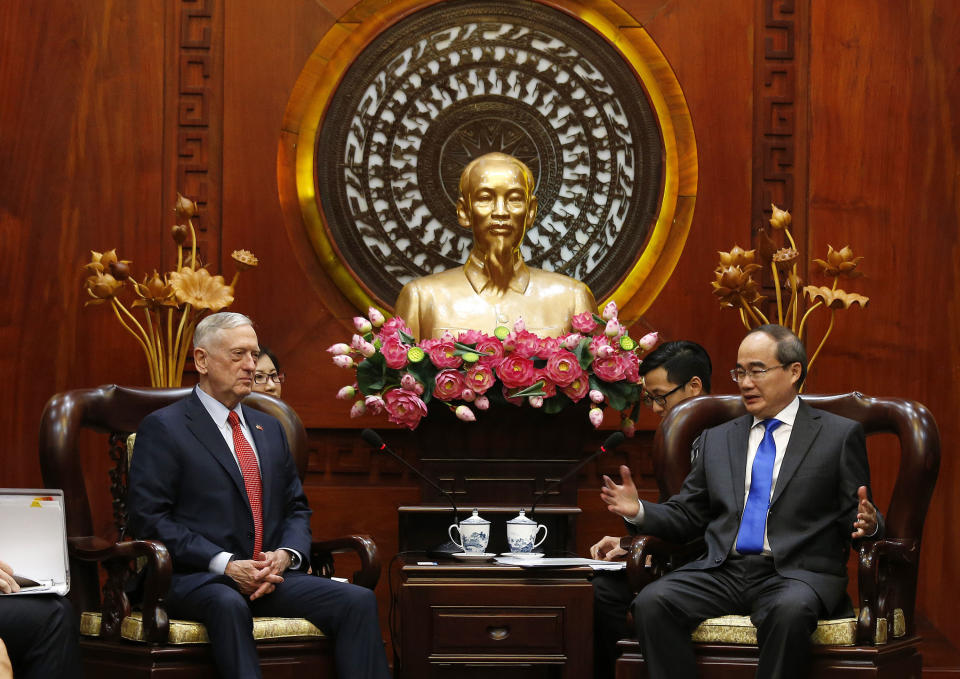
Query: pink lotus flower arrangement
x=598 y=361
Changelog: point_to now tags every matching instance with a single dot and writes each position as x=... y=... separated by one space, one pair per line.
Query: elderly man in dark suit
x=215 y=482
x=775 y=494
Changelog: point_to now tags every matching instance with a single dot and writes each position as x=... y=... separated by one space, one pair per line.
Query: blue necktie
x=754 y=518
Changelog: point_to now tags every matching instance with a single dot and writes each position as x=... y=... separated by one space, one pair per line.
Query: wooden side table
x=472 y=620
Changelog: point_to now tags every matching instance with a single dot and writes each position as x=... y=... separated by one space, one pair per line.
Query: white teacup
x=474 y=534
x=522 y=534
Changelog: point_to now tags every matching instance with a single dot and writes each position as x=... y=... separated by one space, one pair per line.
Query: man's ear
x=531 y=213
x=200 y=360
x=695 y=386
x=463 y=213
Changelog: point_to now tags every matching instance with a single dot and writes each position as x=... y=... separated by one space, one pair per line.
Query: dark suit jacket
x=186 y=490
x=812 y=511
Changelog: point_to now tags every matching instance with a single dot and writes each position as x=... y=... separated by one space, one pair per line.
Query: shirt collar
x=218 y=412
x=787 y=415
x=479 y=280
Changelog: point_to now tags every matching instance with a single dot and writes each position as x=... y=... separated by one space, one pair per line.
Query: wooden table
x=472 y=620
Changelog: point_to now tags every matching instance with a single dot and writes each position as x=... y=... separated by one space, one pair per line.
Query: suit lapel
x=737 y=439
x=805 y=429
x=203 y=427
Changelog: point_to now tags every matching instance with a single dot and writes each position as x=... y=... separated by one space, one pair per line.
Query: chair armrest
x=115 y=605
x=649 y=557
x=321 y=557
x=887 y=573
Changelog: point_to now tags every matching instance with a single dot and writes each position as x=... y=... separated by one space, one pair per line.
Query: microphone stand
x=614 y=440
x=374 y=440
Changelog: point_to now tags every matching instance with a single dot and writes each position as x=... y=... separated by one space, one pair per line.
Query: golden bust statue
x=494 y=287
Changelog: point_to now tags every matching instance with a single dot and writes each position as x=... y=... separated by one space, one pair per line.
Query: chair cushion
x=190 y=632
x=737 y=629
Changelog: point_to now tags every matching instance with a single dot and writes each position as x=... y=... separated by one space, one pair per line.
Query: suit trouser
x=41 y=635
x=346 y=612
x=612 y=596
x=784 y=611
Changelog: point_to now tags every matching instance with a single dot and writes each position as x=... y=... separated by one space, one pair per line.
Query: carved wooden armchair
x=881 y=641
x=118 y=641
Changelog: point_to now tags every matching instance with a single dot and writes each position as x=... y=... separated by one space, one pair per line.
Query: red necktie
x=251 y=479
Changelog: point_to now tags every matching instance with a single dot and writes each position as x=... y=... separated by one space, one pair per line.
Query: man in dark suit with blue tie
x=775 y=494
x=215 y=482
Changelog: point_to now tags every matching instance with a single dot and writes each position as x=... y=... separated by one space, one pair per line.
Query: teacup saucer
x=473 y=556
x=523 y=555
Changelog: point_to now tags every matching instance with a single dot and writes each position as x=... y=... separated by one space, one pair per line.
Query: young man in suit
x=672 y=373
x=777 y=495
x=215 y=482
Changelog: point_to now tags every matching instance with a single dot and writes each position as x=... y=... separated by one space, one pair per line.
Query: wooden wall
x=845 y=112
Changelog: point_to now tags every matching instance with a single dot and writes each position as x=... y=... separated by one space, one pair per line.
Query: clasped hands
x=258 y=577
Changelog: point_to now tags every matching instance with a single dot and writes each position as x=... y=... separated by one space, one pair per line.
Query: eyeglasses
x=755 y=374
x=661 y=400
x=262 y=378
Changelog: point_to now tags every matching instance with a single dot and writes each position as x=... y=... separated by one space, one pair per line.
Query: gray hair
x=789 y=347
x=214 y=323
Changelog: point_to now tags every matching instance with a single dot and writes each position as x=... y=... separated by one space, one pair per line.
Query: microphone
x=373 y=438
x=612 y=441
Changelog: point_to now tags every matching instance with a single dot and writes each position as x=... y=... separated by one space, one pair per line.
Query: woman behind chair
x=268 y=377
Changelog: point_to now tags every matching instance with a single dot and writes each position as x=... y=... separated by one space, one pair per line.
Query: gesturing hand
x=608 y=549
x=621 y=499
x=255 y=578
x=866 y=523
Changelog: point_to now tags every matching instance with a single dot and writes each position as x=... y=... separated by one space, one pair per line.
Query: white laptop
x=33 y=539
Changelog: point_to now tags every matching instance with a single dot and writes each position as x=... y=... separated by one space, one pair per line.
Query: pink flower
x=596 y=396
x=358 y=409
x=584 y=322
x=343 y=361
x=356 y=342
x=571 y=341
x=535 y=401
x=480 y=378
x=376 y=318
x=367 y=349
x=448 y=385
x=482 y=403
x=649 y=341
x=468 y=395
x=577 y=389
x=492 y=347
x=362 y=325
x=526 y=344
x=394 y=325
x=339 y=349
x=519 y=326
x=631 y=368
x=548 y=347
x=516 y=371
x=613 y=328
x=443 y=355
x=610 y=369
x=596 y=417
x=374 y=404
x=512 y=399
x=346 y=393
x=409 y=382
x=465 y=414
x=628 y=427
x=600 y=346
x=549 y=386
x=471 y=336
x=562 y=368
x=609 y=311
x=404 y=407
x=429 y=344
x=394 y=352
